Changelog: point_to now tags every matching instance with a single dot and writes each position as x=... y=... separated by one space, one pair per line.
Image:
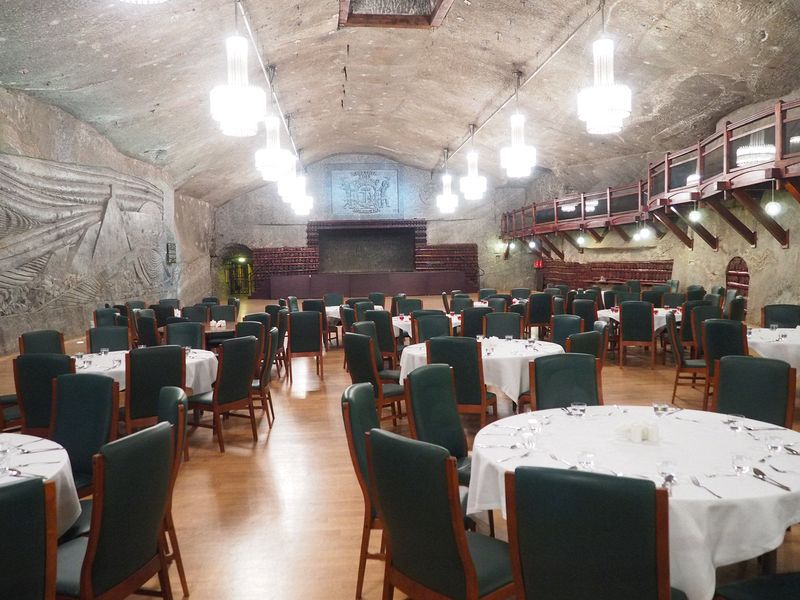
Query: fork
x=561 y=460
x=776 y=469
x=523 y=455
x=696 y=482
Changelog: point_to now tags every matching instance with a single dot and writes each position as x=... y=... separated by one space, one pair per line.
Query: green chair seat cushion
x=492 y=562
x=677 y=594
x=70 y=561
x=205 y=398
x=775 y=587
x=11 y=413
x=392 y=390
x=695 y=363
x=82 y=525
x=490 y=395
x=390 y=374
x=81 y=479
x=464 y=468
x=7 y=399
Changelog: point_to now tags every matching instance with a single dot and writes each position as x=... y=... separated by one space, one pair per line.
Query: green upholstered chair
x=185 y=334
x=162 y=313
x=587 y=310
x=520 y=293
x=210 y=300
x=626 y=297
x=507 y=297
x=147 y=331
x=405 y=306
x=695 y=292
x=387 y=343
x=223 y=312
x=43 y=341
x=496 y=304
x=428 y=326
x=459 y=304
x=735 y=309
x=377 y=298
x=569 y=299
x=562 y=326
x=785 y=586
x=272 y=310
x=104 y=317
x=282 y=303
x=256 y=329
x=559 y=305
x=292 y=304
x=782 y=315
x=654 y=297
x=234 y=301
x=539 y=311
x=697 y=316
x=348 y=317
x=433 y=413
x=563 y=288
x=673 y=284
x=351 y=302
x=685 y=368
x=758 y=388
x=424 y=312
x=28 y=543
x=464 y=355
x=429 y=555
x=459 y=294
x=135 y=304
x=328 y=333
x=472 y=320
x=446 y=302
x=114 y=338
x=554 y=291
x=721 y=337
x=730 y=294
x=266 y=320
x=634 y=285
x=84 y=417
x=521 y=309
x=553 y=526
x=588 y=342
x=33 y=379
x=305 y=338
x=333 y=299
x=361 y=353
x=609 y=338
x=9 y=412
x=718 y=290
x=502 y=324
x=609 y=299
x=123 y=549
x=557 y=380
x=260 y=386
x=714 y=300
x=661 y=287
x=361 y=309
x=636 y=329
x=359 y=416
x=170 y=302
x=147 y=370
x=393 y=305
x=198 y=313
x=370 y=329
x=232 y=389
x=484 y=293
x=283 y=325
x=687 y=335
x=673 y=299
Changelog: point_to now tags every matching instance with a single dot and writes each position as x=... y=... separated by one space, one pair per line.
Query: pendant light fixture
x=605 y=105
x=518 y=159
x=773 y=208
x=238 y=106
x=447 y=201
x=472 y=185
x=756 y=151
x=272 y=160
x=695 y=216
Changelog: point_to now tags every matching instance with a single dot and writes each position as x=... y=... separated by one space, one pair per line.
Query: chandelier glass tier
x=472 y=185
x=518 y=159
x=238 y=106
x=756 y=151
x=447 y=201
x=272 y=160
x=605 y=105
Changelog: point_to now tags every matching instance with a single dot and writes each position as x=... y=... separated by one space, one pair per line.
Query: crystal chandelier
x=473 y=185
x=518 y=159
x=272 y=160
x=447 y=201
x=757 y=151
x=693 y=179
x=294 y=193
x=238 y=106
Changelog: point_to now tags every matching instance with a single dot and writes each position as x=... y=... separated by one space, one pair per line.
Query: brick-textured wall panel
x=450 y=257
x=579 y=275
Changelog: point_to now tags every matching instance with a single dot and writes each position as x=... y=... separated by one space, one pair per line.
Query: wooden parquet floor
x=281 y=518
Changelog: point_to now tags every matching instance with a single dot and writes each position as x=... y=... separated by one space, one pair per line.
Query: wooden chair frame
x=263 y=393
x=130 y=423
x=165 y=337
x=790 y=394
x=317 y=355
x=415 y=330
x=172 y=551
x=21 y=343
x=36 y=431
x=381 y=402
x=603 y=345
x=521 y=326
x=624 y=344
x=662 y=538
x=707 y=388
x=88 y=340
x=530 y=397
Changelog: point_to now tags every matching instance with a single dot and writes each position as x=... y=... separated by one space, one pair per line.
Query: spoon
x=26 y=451
x=759 y=474
x=511 y=446
x=696 y=482
x=18 y=473
x=774 y=468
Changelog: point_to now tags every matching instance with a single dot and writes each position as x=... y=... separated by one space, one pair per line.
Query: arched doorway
x=737 y=277
x=237 y=266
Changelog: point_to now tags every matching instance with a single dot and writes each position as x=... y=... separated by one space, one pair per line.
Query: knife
x=759 y=474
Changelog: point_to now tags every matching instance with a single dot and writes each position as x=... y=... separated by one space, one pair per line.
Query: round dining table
x=731 y=518
x=201 y=368
x=782 y=344
x=402 y=323
x=659 y=316
x=332 y=312
x=505 y=362
x=37 y=457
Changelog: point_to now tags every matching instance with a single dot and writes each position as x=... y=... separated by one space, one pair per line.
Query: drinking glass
x=578 y=409
x=534 y=426
x=509 y=338
x=6 y=450
x=528 y=439
x=479 y=337
x=667 y=469
x=104 y=351
x=402 y=316
x=740 y=464
x=585 y=460
x=774 y=445
x=736 y=423
x=660 y=408
x=773 y=326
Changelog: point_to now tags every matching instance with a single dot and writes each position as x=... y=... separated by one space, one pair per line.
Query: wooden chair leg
x=163 y=573
x=675 y=387
x=362 y=558
x=706 y=387
x=270 y=409
x=218 y=428
x=321 y=367
x=388 y=587
x=253 y=424
x=175 y=551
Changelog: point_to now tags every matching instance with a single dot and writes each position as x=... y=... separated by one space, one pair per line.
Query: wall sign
x=364 y=193
x=171 y=255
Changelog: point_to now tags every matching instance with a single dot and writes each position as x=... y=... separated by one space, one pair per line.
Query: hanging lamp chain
x=603 y=15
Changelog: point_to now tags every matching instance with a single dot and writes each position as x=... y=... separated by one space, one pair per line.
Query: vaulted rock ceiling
x=141 y=75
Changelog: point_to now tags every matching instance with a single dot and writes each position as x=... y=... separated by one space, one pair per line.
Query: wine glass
x=667 y=469
x=104 y=351
x=577 y=408
x=585 y=460
x=509 y=338
x=774 y=445
x=740 y=464
x=6 y=450
x=528 y=439
x=736 y=423
x=660 y=408
x=535 y=426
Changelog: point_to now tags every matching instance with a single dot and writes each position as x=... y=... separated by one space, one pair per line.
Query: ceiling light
x=272 y=160
x=695 y=216
x=242 y=259
x=637 y=236
x=518 y=159
x=532 y=245
x=569 y=208
x=605 y=105
x=756 y=151
x=512 y=245
x=646 y=232
x=581 y=240
x=772 y=208
x=499 y=246
x=591 y=205
x=693 y=179
x=447 y=201
x=287 y=180
x=794 y=140
x=473 y=185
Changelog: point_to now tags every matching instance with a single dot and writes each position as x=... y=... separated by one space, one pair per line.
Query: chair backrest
x=270 y=352
x=43 y=341
x=673 y=284
x=383 y=328
x=85 y=416
x=472 y=320
x=361 y=309
x=234 y=301
x=426 y=312
x=586 y=310
x=28 y=543
x=432 y=409
x=359 y=351
x=292 y=304
x=417 y=492
x=563 y=288
x=674 y=340
x=686 y=318
x=377 y=298
x=464 y=355
x=283 y=326
x=104 y=317
x=459 y=304
x=758 y=388
x=520 y=308
x=496 y=304
x=673 y=300
x=210 y=300
x=266 y=320
x=171 y=302
x=223 y=312
x=554 y=291
x=198 y=313
x=162 y=313
x=393 y=305
x=603 y=328
x=428 y=326
x=714 y=299
x=634 y=285
x=700 y=314
x=553 y=526
x=570 y=298
x=735 y=309
x=588 y=342
x=33 y=378
x=235 y=372
x=609 y=299
x=520 y=293
x=557 y=380
x=719 y=290
x=695 y=292
x=486 y=292
x=348 y=317
x=186 y=334
x=133 y=476
x=782 y=315
x=559 y=305
x=562 y=326
x=540 y=308
x=360 y=416
x=147 y=370
x=406 y=306
x=661 y=287
x=723 y=337
x=134 y=304
x=173 y=408
x=255 y=329
x=446 y=302
x=368 y=328
x=113 y=338
x=318 y=306
x=333 y=299
x=147 y=330
x=730 y=294
x=626 y=297
x=305 y=331
x=636 y=321
x=501 y=324
x=121 y=321
x=272 y=310
x=654 y=297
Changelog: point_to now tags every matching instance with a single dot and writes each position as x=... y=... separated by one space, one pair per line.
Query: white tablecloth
x=404 y=324
x=332 y=312
x=764 y=342
x=505 y=362
x=659 y=318
x=704 y=532
x=52 y=465
x=201 y=368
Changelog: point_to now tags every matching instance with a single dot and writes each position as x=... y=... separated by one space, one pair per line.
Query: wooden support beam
x=568 y=238
x=705 y=234
x=731 y=219
x=790 y=186
x=344 y=11
x=621 y=233
x=676 y=231
x=440 y=12
x=598 y=237
x=771 y=225
x=388 y=21
x=541 y=249
x=552 y=247
x=660 y=233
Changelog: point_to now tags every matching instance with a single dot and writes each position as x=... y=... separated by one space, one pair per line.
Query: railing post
x=666 y=173
x=641 y=197
x=779 y=130
x=608 y=202
x=726 y=148
x=649 y=181
x=701 y=163
x=583 y=206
